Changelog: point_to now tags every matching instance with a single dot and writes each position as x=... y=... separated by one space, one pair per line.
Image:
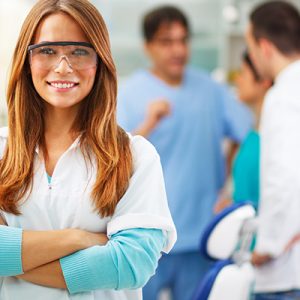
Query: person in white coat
x=273 y=38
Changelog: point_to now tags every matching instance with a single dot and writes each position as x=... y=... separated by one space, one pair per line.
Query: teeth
x=62 y=85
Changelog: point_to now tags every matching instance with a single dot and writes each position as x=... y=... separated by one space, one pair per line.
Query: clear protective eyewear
x=48 y=55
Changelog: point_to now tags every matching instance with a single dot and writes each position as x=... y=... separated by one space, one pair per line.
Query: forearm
x=278 y=212
x=42 y=247
x=232 y=150
x=49 y=275
x=22 y=251
x=120 y=264
x=144 y=129
x=126 y=262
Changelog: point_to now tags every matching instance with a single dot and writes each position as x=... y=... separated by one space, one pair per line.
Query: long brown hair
x=96 y=119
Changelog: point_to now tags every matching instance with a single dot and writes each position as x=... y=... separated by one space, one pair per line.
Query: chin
x=61 y=104
x=176 y=75
x=245 y=100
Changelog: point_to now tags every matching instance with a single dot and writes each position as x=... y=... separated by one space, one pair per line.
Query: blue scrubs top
x=189 y=142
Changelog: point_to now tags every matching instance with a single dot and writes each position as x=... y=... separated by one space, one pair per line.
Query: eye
x=46 y=51
x=185 y=40
x=165 y=41
x=80 y=52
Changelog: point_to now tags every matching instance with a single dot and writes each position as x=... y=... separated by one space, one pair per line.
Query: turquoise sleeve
x=127 y=261
x=10 y=251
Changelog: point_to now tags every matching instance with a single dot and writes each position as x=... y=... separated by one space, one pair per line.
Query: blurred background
x=217 y=25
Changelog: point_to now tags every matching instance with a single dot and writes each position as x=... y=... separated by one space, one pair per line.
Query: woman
x=84 y=203
x=251 y=90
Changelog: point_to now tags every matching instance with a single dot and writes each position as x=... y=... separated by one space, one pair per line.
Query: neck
x=256 y=108
x=59 y=122
x=169 y=80
x=282 y=62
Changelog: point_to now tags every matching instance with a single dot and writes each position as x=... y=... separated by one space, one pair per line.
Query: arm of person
x=258 y=259
x=156 y=111
x=237 y=121
x=50 y=275
x=41 y=247
x=225 y=195
x=2 y=222
x=221 y=204
x=233 y=147
x=22 y=250
x=127 y=261
x=278 y=213
x=131 y=254
x=237 y=118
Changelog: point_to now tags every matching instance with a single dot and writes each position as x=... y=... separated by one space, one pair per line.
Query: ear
x=147 y=47
x=267 y=83
x=267 y=48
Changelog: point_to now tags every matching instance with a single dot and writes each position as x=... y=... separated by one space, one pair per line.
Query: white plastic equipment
x=227 y=239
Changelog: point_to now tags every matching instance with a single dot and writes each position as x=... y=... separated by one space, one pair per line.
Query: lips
x=63 y=84
x=178 y=61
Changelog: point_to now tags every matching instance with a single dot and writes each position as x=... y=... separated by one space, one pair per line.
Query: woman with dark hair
x=83 y=205
x=251 y=89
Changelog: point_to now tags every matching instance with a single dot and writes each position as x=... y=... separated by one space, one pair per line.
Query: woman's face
x=248 y=88
x=63 y=85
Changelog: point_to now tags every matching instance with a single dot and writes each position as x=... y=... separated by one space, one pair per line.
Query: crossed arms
x=48 y=258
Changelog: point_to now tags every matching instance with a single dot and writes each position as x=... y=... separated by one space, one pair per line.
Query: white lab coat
x=279 y=211
x=66 y=203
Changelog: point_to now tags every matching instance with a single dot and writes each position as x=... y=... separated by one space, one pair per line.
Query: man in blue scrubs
x=186 y=116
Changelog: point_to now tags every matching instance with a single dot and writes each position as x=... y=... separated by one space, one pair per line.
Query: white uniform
x=279 y=212
x=66 y=203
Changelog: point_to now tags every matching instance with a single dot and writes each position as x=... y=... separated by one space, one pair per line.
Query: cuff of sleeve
x=131 y=221
x=81 y=273
x=10 y=251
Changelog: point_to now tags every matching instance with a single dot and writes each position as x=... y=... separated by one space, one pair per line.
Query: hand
x=221 y=204
x=157 y=110
x=260 y=259
x=86 y=239
x=94 y=239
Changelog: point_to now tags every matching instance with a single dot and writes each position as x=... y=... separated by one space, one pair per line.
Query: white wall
x=215 y=44
x=12 y=15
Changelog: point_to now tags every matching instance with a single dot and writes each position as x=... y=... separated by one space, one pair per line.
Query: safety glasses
x=48 y=55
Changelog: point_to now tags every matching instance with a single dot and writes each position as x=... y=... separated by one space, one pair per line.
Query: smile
x=62 y=84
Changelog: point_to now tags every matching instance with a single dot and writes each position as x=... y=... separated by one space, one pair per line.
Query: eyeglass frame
x=64 y=43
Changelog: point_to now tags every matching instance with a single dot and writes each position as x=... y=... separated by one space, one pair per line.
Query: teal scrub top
x=246 y=170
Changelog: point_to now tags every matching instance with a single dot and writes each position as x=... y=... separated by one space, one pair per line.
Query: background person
x=251 y=90
x=186 y=116
x=274 y=44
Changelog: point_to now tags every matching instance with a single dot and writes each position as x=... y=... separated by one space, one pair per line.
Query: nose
x=63 y=65
x=180 y=47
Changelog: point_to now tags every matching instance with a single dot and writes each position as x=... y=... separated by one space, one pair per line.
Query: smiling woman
x=83 y=203
x=61 y=68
